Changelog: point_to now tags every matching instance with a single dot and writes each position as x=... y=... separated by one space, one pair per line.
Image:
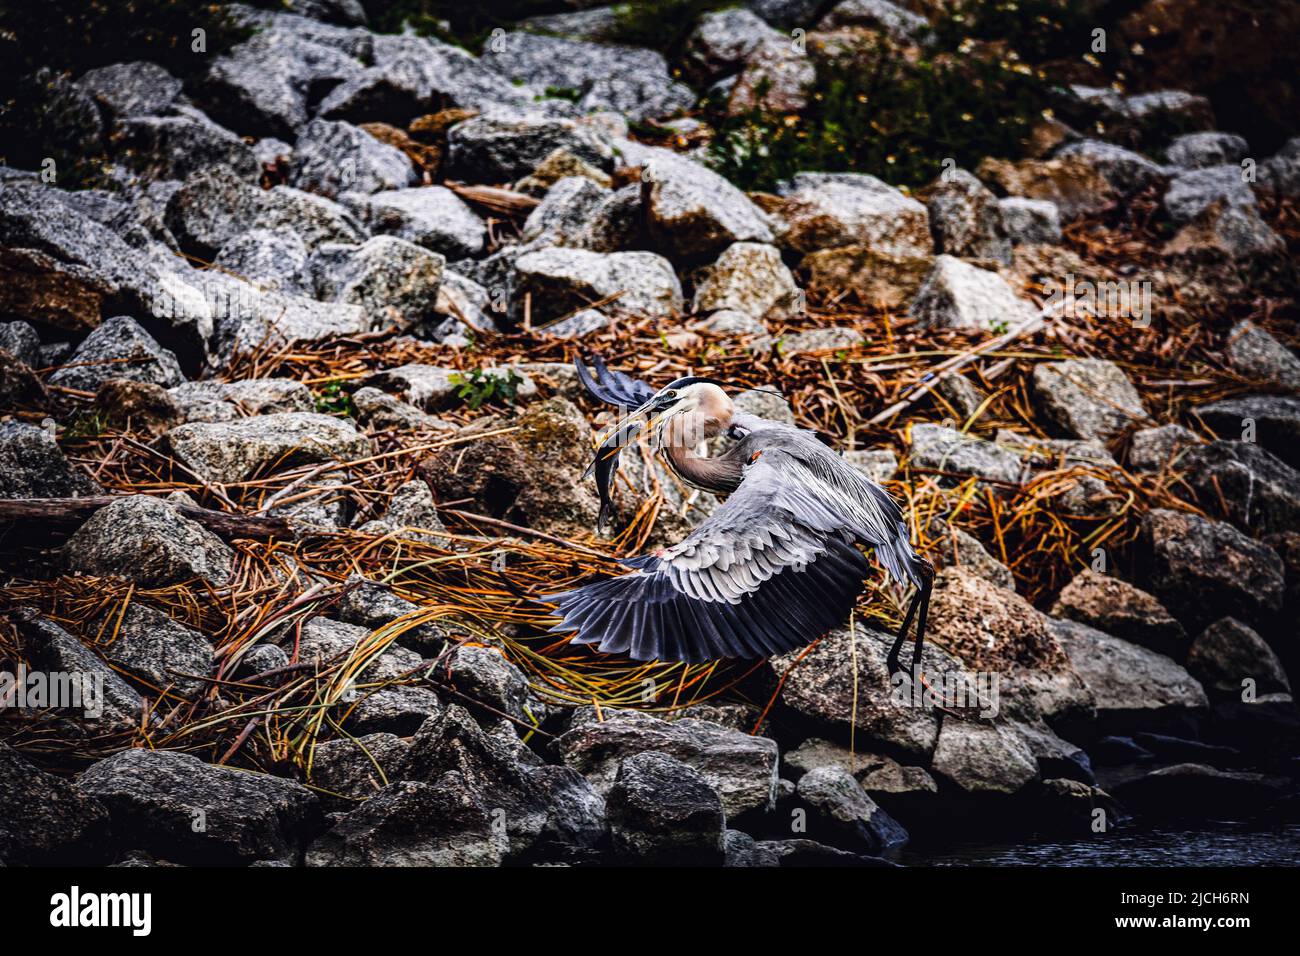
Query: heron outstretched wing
x=773 y=568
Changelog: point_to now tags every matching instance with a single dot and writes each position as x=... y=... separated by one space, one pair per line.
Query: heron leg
x=891 y=662
x=927 y=584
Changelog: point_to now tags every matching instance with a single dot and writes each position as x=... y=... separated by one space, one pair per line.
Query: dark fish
x=605 y=467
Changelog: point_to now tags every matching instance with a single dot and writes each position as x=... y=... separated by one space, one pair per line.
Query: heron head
x=688 y=414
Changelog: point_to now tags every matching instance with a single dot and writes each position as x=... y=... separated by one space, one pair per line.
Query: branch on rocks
x=58 y=512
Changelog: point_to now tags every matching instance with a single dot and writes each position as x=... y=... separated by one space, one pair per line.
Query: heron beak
x=628 y=427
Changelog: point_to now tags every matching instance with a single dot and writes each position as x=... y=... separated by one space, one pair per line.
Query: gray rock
x=411 y=507
x=1153 y=449
x=598 y=23
x=1273 y=420
x=147 y=541
x=157 y=650
x=748 y=277
x=957 y=295
x=1191 y=193
x=1203 y=570
x=415 y=824
x=815 y=753
x=1258 y=490
x=741 y=768
x=563 y=217
x=964 y=550
x=1255 y=353
x=692 y=212
x=395 y=281
x=267 y=258
x=558 y=165
x=827 y=210
x=99 y=700
x=723 y=40
x=1118 y=608
x=399 y=709
x=178 y=808
x=263 y=85
x=899 y=24
x=662 y=810
x=335 y=157
x=823 y=685
x=325 y=641
x=382 y=411
x=46 y=820
x=20 y=340
x=371 y=605
x=491 y=771
x=356 y=769
x=214 y=206
x=118 y=348
x=741 y=850
x=947 y=449
x=430 y=216
x=777 y=77
x=485 y=675
x=841 y=814
x=223 y=401
x=602 y=76
x=33 y=466
x=173 y=147
x=1030 y=221
x=1130 y=685
x=983 y=758
x=1225 y=230
x=1227 y=654
x=235 y=450
x=501 y=149
x=1198 y=791
x=965 y=217
x=1202 y=150
x=1124 y=169
x=559 y=281
x=878 y=464
x=819 y=340
x=139 y=88
x=1087 y=398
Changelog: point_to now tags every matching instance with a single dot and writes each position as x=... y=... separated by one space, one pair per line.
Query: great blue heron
x=773 y=568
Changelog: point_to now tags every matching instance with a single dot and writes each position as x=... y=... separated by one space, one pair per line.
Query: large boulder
x=410 y=823
x=235 y=450
x=983 y=758
x=99 y=700
x=599 y=76
x=1255 y=353
x=1202 y=150
x=33 y=466
x=1192 y=192
x=180 y=809
x=430 y=216
x=946 y=449
x=501 y=149
x=47 y=820
x=1198 y=791
x=557 y=281
x=723 y=40
x=776 y=78
x=1259 y=491
x=1117 y=607
x=1227 y=654
x=173 y=147
x=1271 y=420
x=390 y=278
x=841 y=814
x=692 y=212
x=966 y=219
x=158 y=650
x=662 y=810
x=1125 y=170
x=1205 y=570
x=1130 y=685
x=270 y=259
x=1087 y=398
x=741 y=768
x=821 y=211
x=748 y=277
x=138 y=88
x=149 y=542
x=334 y=157
x=119 y=348
x=958 y=295
x=210 y=401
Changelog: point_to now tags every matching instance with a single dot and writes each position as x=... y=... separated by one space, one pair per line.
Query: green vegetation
x=896 y=115
x=662 y=26
x=481 y=388
x=332 y=399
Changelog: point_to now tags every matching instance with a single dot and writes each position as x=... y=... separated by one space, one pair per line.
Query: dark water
x=1220 y=845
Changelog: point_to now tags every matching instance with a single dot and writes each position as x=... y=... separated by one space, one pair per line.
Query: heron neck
x=720 y=475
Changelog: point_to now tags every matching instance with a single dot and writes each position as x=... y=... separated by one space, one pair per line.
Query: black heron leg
x=920 y=603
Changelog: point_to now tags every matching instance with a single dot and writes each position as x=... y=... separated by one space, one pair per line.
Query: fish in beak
x=605 y=463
